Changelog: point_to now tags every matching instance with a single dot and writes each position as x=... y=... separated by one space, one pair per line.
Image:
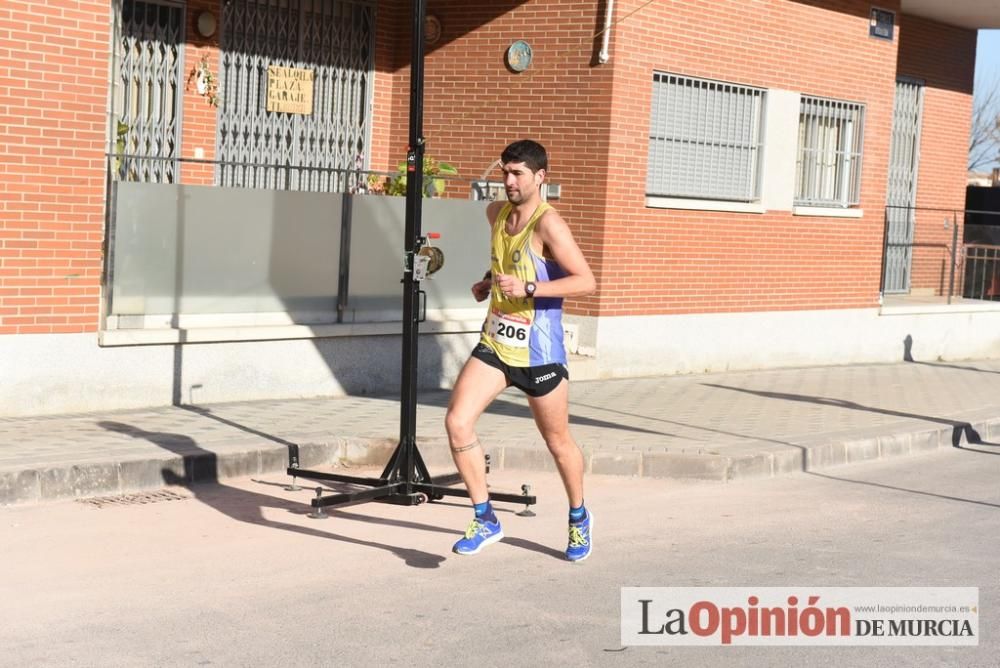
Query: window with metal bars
x=828 y=169
x=705 y=139
x=147 y=89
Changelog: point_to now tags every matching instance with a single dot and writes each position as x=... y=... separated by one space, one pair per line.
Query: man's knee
x=559 y=443
x=457 y=423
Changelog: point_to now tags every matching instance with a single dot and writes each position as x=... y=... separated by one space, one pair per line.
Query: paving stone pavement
x=719 y=427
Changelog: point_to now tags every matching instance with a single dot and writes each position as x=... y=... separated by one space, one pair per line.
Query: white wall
x=67 y=373
x=669 y=344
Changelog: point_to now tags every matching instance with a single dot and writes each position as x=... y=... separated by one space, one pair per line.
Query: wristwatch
x=529 y=288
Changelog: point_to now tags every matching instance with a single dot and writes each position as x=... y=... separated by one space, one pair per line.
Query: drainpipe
x=604 y=56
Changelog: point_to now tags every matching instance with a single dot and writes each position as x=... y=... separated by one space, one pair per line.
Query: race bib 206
x=508 y=329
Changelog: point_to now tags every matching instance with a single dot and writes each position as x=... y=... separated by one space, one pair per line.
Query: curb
x=762 y=459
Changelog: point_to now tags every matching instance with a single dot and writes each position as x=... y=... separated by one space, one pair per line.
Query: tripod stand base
x=398 y=492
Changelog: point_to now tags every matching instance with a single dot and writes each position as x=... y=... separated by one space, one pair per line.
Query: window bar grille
x=705 y=139
x=982 y=271
x=747 y=151
x=830 y=144
x=146 y=96
x=334 y=38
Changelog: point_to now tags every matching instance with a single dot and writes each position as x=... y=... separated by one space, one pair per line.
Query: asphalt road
x=238 y=575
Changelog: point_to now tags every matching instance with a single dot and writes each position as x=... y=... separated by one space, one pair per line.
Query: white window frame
x=830 y=149
x=706 y=143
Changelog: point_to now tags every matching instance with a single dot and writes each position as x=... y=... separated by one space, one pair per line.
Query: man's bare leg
x=552 y=417
x=551 y=414
x=477 y=386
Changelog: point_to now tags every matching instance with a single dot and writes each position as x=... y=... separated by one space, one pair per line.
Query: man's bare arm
x=554 y=234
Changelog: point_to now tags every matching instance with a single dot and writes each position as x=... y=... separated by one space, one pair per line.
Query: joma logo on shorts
x=542 y=379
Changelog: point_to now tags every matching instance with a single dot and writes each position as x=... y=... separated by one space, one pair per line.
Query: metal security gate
x=901 y=195
x=291 y=151
x=147 y=90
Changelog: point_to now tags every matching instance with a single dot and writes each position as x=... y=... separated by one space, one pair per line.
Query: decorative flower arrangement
x=205 y=81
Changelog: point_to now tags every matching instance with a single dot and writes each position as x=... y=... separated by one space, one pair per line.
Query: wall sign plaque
x=881 y=23
x=289 y=90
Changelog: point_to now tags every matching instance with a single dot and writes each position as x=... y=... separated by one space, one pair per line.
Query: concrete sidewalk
x=713 y=427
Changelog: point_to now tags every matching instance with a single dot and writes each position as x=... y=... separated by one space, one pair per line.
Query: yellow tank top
x=523 y=331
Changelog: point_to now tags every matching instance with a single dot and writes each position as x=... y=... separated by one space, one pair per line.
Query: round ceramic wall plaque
x=519 y=56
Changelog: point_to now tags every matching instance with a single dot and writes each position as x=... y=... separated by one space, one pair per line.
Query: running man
x=535 y=263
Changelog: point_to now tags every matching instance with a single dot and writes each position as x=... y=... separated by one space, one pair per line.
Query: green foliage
x=433 y=187
x=120 y=134
x=205 y=81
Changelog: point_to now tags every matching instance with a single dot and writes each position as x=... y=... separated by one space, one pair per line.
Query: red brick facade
x=53 y=119
x=475 y=105
x=198 y=128
x=701 y=261
x=54 y=65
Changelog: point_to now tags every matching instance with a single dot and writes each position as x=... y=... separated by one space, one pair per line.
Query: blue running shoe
x=479 y=534
x=580 y=540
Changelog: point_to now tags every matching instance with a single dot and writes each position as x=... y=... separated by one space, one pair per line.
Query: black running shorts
x=535 y=381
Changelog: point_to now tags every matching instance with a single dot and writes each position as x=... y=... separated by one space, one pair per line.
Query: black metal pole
x=885 y=255
x=954 y=254
x=344 y=269
x=411 y=287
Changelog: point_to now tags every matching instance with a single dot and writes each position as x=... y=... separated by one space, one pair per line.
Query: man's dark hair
x=531 y=153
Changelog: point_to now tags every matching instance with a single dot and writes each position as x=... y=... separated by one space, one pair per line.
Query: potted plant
x=434 y=185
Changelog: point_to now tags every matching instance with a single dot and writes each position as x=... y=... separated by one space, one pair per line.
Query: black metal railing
x=941 y=253
x=982 y=272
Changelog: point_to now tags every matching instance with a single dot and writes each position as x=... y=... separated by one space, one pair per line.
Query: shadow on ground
x=200 y=475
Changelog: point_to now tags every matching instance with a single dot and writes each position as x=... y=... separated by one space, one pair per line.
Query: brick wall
x=474 y=105
x=391 y=94
x=199 y=115
x=53 y=98
x=698 y=261
x=678 y=261
x=54 y=61
x=930 y=255
x=944 y=58
x=594 y=119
